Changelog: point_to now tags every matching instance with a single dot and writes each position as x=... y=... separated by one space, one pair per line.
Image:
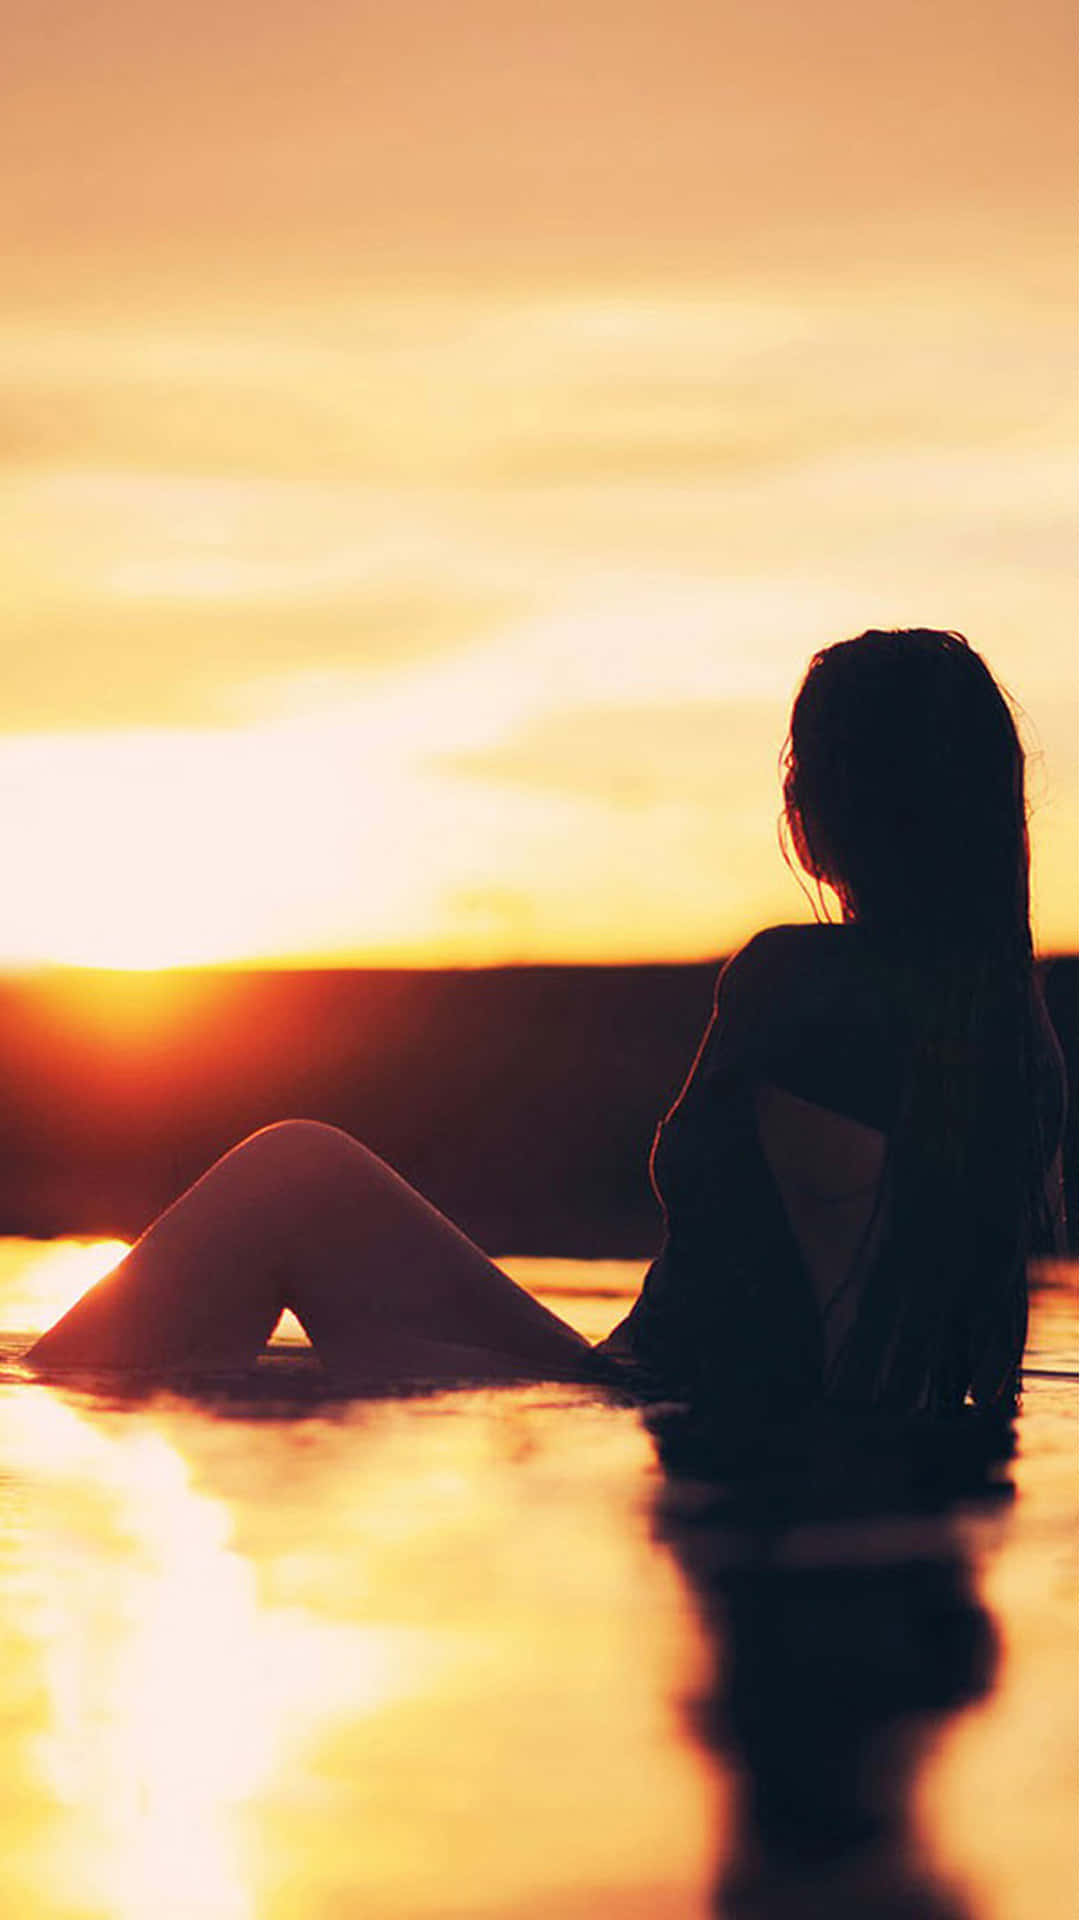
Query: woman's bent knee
x=299 y=1149
x=312 y=1136
x=313 y=1154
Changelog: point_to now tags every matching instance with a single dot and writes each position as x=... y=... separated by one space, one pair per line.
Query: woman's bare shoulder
x=789 y=958
x=794 y=989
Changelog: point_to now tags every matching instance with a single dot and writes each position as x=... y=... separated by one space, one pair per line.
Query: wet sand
x=274 y=1656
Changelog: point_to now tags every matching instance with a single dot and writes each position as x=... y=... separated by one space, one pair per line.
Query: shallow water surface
x=271 y=1656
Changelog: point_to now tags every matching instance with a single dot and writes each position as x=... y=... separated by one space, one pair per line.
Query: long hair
x=904 y=791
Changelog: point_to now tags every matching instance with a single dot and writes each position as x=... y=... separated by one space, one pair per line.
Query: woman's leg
x=301 y=1215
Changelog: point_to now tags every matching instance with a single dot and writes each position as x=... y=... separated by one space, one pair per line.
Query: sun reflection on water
x=169 y=1694
x=428 y=1657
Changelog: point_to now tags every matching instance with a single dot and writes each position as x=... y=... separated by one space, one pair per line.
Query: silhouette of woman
x=837 y=1589
x=852 y=1176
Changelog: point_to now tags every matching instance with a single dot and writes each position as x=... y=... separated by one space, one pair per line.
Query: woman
x=852 y=1176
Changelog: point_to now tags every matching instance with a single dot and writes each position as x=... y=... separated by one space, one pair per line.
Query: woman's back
x=829 y=1171
x=774 y=1168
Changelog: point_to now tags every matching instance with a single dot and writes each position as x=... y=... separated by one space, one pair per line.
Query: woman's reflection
x=836 y=1590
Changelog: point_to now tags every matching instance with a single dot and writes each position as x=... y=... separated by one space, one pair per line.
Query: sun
x=170 y=848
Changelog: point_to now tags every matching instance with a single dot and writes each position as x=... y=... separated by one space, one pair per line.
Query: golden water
x=293 y=1659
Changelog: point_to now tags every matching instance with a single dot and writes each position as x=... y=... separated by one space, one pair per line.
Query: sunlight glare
x=172 y=1695
x=42 y=1279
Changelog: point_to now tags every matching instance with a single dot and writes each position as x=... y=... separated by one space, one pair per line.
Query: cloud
x=676 y=135
x=719 y=753
x=541 y=573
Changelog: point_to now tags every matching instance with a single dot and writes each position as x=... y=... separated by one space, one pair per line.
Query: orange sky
x=436 y=439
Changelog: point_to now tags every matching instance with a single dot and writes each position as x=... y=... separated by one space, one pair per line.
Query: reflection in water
x=270 y=1654
x=833 y=1581
x=410 y=1660
x=169 y=1693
